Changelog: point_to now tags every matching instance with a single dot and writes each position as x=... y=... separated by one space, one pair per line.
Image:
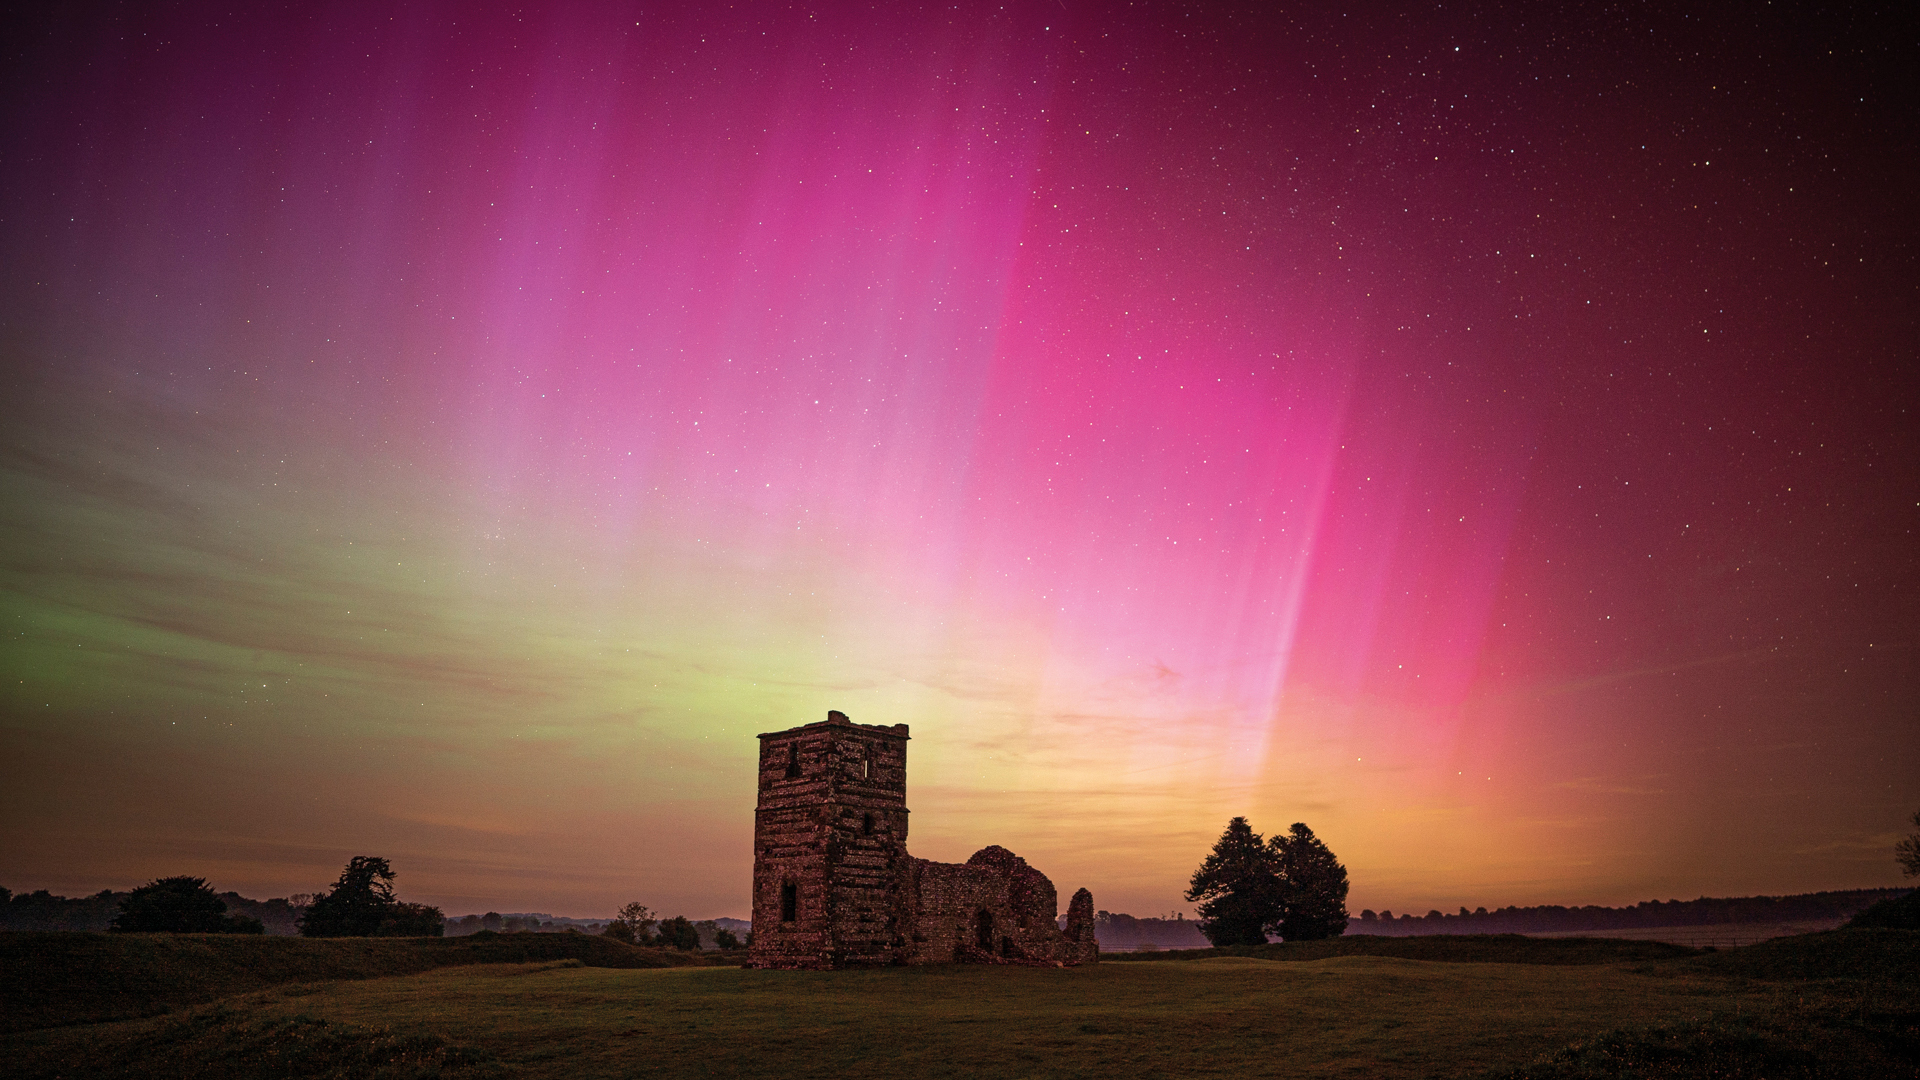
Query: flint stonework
x=834 y=887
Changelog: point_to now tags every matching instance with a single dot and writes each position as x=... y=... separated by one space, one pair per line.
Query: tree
x=1238 y=891
x=411 y=920
x=180 y=905
x=361 y=904
x=634 y=925
x=725 y=939
x=678 y=933
x=1314 y=886
x=1907 y=851
x=1898 y=912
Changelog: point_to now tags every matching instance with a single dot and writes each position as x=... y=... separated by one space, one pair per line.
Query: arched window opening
x=983 y=931
x=789 y=902
x=793 y=761
x=867 y=826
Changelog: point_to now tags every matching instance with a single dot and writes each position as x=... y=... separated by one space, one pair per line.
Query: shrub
x=411 y=920
x=180 y=905
x=678 y=933
x=361 y=904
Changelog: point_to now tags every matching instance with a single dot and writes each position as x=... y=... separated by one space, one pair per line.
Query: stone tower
x=830 y=845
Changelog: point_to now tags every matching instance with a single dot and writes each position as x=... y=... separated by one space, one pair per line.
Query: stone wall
x=833 y=885
x=993 y=905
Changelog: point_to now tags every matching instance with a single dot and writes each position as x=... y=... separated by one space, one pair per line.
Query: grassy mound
x=1892 y=955
x=1439 y=948
x=222 y=1045
x=1831 y=1044
x=1861 y=1020
x=54 y=978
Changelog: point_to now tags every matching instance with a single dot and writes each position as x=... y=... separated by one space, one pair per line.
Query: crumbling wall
x=1079 y=931
x=992 y=906
x=833 y=885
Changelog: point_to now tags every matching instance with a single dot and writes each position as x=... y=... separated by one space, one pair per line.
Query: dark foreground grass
x=1781 y=1012
x=221 y=1044
x=1225 y=1017
x=50 y=979
x=1837 y=1042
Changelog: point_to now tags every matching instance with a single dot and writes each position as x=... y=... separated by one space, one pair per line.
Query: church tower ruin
x=834 y=887
x=829 y=836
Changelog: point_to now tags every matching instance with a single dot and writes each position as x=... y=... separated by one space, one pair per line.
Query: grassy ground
x=1842 y=1005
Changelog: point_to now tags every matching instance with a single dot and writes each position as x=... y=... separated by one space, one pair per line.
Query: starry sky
x=452 y=432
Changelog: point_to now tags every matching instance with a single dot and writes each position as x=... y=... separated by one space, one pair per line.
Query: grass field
x=1831 y=1005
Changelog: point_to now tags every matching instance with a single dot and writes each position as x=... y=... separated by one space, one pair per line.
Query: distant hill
x=1553 y=918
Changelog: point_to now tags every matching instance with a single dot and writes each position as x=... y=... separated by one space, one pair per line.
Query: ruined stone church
x=834 y=887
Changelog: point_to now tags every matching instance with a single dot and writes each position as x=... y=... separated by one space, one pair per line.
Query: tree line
x=707 y=931
x=1550 y=918
x=638 y=925
x=42 y=910
x=361 y=903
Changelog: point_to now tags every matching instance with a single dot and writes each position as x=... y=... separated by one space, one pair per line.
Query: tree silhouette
x=361 y=904
x=678 y=933
x=1907 y=851
x=411 y=920
x=1238 y=889
x=1313 y=886
x=634 y=925
x=180 y=905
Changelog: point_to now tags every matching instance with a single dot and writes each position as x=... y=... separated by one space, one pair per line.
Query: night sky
x=1486 y=434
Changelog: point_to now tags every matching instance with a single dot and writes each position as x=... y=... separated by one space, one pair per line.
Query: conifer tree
x=1238 y=889
x=1313 y=887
